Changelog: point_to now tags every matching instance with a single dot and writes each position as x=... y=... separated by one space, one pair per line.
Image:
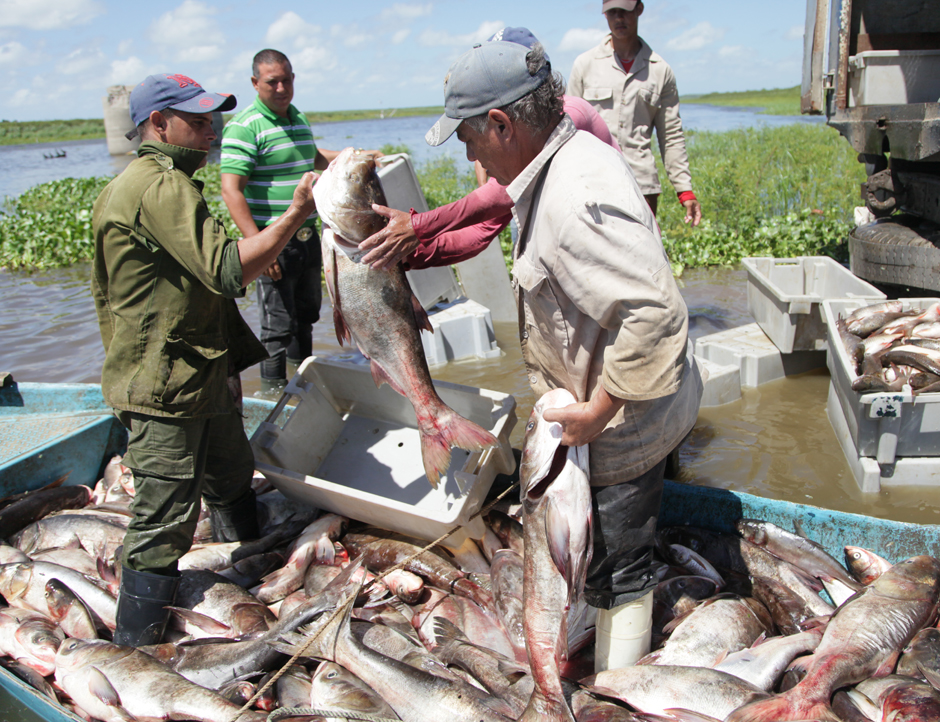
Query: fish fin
x=102 y=689
x=251 y=614
x=343 y=335
x=678 y=714
x=448 y=631
x=782 y=708
x=888 y=665
x=380 y=376
x=422 y=321
x=108 y=575
x=325 y=551
x=932 y=677
x=798 y=528
x=206 y=623
x=450 y=430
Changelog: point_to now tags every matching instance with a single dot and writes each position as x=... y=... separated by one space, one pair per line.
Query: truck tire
x=901 y=251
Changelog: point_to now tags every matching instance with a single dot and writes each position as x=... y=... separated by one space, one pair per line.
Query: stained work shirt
x=274 y=153
x=598 y=302
x=164 y=278
x=633 y=104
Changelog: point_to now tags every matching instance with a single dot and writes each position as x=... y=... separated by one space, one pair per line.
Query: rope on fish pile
x=341 y=607
x=329 y=713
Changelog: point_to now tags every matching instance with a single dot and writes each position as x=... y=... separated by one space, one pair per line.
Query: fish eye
x=332 y=674
x=530 y=426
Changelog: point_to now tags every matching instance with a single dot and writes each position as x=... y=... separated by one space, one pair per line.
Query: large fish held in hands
x=558 y=528
x=377 y=309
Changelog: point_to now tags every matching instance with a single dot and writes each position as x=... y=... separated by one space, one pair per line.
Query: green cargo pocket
x=192 y=367
x=163 y=448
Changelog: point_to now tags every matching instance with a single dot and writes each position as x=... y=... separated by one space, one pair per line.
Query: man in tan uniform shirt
x=634 y=91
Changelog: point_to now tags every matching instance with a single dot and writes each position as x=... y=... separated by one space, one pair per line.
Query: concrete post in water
x=117 y=120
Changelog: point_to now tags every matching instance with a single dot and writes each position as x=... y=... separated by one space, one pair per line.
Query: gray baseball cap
x=489 y=76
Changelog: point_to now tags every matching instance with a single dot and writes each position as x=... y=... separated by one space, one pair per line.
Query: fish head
x=15 y=579
x=543 y=455
x=911 y=578
x=333 y=686
x=76 y=653
x=345 y=193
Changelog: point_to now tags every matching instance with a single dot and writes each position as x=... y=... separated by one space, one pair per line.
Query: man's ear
x=501 y=123
x=157 y=120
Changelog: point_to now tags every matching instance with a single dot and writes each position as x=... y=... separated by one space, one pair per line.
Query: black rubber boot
x=239 y=523
x=142 y=611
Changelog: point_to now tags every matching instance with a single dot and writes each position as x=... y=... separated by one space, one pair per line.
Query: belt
x=304 y=234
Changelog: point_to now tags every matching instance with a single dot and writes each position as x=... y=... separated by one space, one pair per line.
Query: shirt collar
x=643 y=55
x=271 y=115
x=521 y=186
x=186 y=159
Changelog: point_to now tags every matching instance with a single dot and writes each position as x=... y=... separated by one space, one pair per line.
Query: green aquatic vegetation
x=777 y=101
x=49 y=225
x=780 y=192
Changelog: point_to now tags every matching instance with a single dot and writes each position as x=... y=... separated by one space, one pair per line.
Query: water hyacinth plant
x=784 y=191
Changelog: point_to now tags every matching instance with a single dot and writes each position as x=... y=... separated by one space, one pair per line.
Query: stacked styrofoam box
x=354 y=449
x=462 y=328
x=784 y=296
x=887 y=437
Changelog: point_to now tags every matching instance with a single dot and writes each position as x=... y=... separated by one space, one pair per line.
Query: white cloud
x=696 y=38
x=580 y=39
x=355 y=40
x=48 y=14
x=403 y=11
x=83 y=61
x=732 y=51
x=290 y=26
x=313 y=61
x=191 y=29
x=23 y=96
x=400 y=37
x=795 y=32
x=433 y=38
x=13 y=53
x=127 y=72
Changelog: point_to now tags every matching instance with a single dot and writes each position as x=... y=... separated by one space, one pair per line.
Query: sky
x=58 y=57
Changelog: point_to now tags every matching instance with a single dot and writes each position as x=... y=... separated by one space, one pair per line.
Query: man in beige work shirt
x=634 y=91
x=600 y=313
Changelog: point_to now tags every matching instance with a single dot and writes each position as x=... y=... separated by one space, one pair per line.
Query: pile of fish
x=758 y=625
x=892 y=347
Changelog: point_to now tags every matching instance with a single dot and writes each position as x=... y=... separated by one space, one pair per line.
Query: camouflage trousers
x=175 y=462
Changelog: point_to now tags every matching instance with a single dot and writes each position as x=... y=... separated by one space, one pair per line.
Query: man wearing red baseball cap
x=634 y=90
x=164 y=280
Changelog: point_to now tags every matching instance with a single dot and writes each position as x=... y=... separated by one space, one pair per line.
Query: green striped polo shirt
x=274 y=153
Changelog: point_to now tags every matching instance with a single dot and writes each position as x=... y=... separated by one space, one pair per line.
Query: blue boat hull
x=714 y=509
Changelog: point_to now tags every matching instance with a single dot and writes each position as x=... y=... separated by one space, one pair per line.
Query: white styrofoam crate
x=462 y=329
x=868 y=473
x=403 y=192
x=894 y=77
x=354 y=449
x=783 y=295
x=720 y=384
x=759 y=360
x=882 y=425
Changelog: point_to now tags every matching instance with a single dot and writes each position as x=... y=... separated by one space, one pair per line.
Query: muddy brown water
x=775 y=442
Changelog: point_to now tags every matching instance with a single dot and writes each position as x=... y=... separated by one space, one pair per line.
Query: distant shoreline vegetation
x=14 y=132
x=779 y=101
x=771 y=191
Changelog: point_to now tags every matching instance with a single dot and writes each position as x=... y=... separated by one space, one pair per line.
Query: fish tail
x=449 y=431
x=782 y=708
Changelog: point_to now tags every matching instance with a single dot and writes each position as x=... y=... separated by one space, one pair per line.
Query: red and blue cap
x=167 y=90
